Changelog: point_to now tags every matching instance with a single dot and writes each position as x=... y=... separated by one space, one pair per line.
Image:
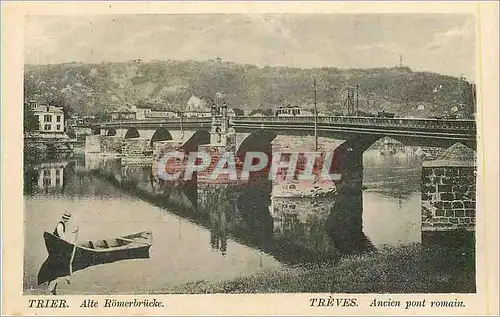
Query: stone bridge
x=263 y=130
x=142 y=141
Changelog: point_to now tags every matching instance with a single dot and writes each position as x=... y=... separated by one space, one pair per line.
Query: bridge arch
x=111 y=132
x=132 y=133
x=161 y=134
x=258 y=141
x=198 y=138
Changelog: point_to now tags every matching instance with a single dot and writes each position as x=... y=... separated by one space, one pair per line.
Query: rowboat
x=90 y=253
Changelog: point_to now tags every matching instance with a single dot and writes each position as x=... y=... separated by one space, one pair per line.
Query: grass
x=406 y=269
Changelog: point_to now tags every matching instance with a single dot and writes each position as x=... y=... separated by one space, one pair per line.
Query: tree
x=30 y=120
x=238 y=112
x=102 y=115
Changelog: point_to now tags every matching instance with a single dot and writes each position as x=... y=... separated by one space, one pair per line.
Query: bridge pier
x=345 y=221
x=213 y=193
x=449 y=198
x=159 y=150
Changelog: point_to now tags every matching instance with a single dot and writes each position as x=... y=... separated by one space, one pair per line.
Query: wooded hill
x=96 y=89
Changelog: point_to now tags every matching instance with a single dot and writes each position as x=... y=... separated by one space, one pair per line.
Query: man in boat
x=60 y=232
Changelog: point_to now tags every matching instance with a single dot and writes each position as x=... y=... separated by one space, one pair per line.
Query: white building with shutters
x=50 y=119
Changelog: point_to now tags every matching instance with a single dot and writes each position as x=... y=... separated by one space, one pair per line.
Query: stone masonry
x=93 y=144
x=449 y=195
x=159 y=150
x=136 y=151
x=103 y=144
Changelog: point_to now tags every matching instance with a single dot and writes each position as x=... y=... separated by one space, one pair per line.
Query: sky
x=440 y=43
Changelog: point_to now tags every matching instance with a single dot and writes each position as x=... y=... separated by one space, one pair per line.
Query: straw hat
x=66 y=216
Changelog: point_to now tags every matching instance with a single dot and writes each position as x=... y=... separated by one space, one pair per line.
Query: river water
x=188 y=247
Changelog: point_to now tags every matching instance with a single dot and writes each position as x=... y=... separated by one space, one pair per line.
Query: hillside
x=100 y=88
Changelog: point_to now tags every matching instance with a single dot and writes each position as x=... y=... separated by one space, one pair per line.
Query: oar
x=74 y=251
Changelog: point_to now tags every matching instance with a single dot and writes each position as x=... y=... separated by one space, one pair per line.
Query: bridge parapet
x=420 y=131
x=166 y=122
x=306 y=121
x=469 y=125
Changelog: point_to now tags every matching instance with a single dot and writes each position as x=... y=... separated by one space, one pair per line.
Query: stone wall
x=449 y=195
x=93 y=144
x=81 y=133
x=136 y=151
x=111 y=144
x=103 y=144
x=303 y=143
x=215 y=152
x=160 y=148
x=430 y=153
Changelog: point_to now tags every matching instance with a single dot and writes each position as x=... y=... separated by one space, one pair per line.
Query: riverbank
x=405 y=269
x=43 y=146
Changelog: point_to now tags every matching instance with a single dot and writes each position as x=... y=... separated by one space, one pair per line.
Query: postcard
x=250 y=158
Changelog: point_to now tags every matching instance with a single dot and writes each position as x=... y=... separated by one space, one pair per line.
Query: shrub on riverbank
x=406 y=269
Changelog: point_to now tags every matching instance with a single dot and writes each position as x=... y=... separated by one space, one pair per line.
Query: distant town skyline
x=440 y=43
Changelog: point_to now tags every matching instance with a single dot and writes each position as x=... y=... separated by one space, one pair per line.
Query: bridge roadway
x=335 y=127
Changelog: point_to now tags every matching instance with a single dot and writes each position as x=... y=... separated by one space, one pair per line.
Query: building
x=156 y=110
x=291 y=111
x=50 y=118
x=124 y=113
x=197 y=107
x=162 y=114
x=161 y=111
x=143 y=111
x=78 y=119
x=32 y=105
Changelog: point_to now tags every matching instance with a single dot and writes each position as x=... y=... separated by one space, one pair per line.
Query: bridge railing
x=307 y=121
x=156 y=121
x=469 y=125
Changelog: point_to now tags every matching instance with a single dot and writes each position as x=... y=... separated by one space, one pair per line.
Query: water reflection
x=249 y=230
x=104 y=205
x=392 y=194
x=45 y=177
x=299 y=213
x=396 y=175
x=218 y=233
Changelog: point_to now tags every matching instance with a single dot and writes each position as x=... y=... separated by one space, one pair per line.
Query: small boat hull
x=90 y=253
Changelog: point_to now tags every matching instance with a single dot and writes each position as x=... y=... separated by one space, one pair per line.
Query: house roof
x=48 y=109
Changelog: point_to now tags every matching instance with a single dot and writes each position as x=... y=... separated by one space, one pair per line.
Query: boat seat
x=86 y=244
x=100 y=244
